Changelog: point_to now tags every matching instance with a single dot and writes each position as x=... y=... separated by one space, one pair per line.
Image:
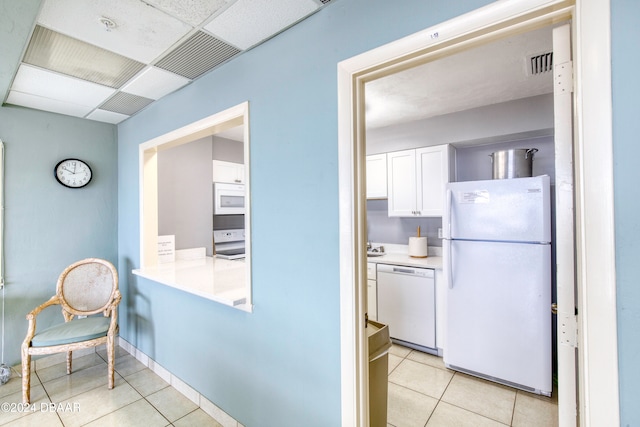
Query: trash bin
x=379 y=345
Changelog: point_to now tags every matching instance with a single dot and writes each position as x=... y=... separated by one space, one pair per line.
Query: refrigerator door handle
x=447 y=215
x=449 y=265
x=447 y=239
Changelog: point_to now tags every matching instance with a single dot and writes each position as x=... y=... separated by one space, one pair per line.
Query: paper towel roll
x=418 y=247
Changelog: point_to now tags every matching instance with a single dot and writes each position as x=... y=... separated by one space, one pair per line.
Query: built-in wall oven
x=228 y=199
x=229 y=244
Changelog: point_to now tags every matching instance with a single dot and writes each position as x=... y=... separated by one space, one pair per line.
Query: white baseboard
x=193 y=395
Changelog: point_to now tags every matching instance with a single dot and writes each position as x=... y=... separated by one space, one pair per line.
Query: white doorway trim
x=595 y=249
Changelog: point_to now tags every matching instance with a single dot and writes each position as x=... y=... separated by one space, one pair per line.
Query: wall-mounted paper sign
x=166 y=249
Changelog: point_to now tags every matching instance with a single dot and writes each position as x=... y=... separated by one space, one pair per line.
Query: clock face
x=73 y=173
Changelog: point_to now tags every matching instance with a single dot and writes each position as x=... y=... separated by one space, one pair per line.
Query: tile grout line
x=469 y=410
x=97 y=353
x=141 y=396
x=445 y=390
x=440 y=398
x=35 y=372
x=147 y=361
x=136 y=390
x=513 y=410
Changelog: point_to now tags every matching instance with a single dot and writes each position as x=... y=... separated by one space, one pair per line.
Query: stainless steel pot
x=515 y=163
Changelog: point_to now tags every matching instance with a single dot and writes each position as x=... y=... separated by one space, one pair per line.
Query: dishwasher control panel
x=398 y=269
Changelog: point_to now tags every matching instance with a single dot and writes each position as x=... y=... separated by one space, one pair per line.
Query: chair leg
x=110 y=360
x=69 y=360
x=26 y=376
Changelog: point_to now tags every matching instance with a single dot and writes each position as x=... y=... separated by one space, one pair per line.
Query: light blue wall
x=626 y=130
x=280 y=365
x=48 y=226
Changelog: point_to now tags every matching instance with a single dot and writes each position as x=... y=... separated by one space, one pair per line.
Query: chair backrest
x=87 y=286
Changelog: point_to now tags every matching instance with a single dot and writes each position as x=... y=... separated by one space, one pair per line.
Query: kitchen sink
x=374 y=254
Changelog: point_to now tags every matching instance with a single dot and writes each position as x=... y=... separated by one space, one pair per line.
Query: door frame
x=593 y=146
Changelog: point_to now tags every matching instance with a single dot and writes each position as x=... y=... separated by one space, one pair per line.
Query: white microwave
x=228 y=199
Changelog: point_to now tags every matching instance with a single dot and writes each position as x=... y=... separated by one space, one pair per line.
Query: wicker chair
x=84 y=288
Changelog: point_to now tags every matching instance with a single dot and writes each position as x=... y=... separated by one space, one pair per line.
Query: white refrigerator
x=497 y=263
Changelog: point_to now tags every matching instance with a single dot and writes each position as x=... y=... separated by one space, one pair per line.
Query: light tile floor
x=139 y=398
x=422 y=392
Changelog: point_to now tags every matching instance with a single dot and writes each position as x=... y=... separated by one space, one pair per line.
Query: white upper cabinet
x=377 y=176
x=228 y=172
x=401 y=179
x=417 y=179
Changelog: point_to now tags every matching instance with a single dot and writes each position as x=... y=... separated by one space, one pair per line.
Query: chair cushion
x=74 y=331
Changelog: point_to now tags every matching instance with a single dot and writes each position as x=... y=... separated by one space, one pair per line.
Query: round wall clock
x=72 y=173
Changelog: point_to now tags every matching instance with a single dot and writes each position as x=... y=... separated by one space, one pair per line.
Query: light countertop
x=399 y=255
x=217 y=279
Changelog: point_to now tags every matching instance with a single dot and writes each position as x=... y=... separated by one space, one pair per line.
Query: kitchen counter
x=399 y=255
x=217 y=279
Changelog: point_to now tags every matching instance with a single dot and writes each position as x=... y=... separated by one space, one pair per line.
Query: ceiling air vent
x=542 y=63
x=126 y=103
x=199 y=54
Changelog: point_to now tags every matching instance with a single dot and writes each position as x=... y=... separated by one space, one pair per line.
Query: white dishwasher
x=406 y=302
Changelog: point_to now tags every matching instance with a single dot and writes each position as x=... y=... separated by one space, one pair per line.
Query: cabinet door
x=377 y=176
x=228 y=172
x=432 y=174
x=401 y=182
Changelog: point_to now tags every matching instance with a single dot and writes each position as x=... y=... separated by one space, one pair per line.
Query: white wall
x=228 y=150
x=508 y=121
x=185 y=204
x=473 y=163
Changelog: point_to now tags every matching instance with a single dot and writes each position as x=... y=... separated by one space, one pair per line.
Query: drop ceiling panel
x=47 y=104
x=194 y=12
x=154 y=83
x=55 y=51
x=48 y=84
x=247 y=22
x=142 y=32
x=107 y=116
x=140 y=50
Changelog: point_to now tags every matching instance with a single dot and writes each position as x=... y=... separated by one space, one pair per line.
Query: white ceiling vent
x=539 y=64
x=126 y=103
x=199 y=54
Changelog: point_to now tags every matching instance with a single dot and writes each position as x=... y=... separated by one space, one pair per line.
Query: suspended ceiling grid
x=106 y=60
